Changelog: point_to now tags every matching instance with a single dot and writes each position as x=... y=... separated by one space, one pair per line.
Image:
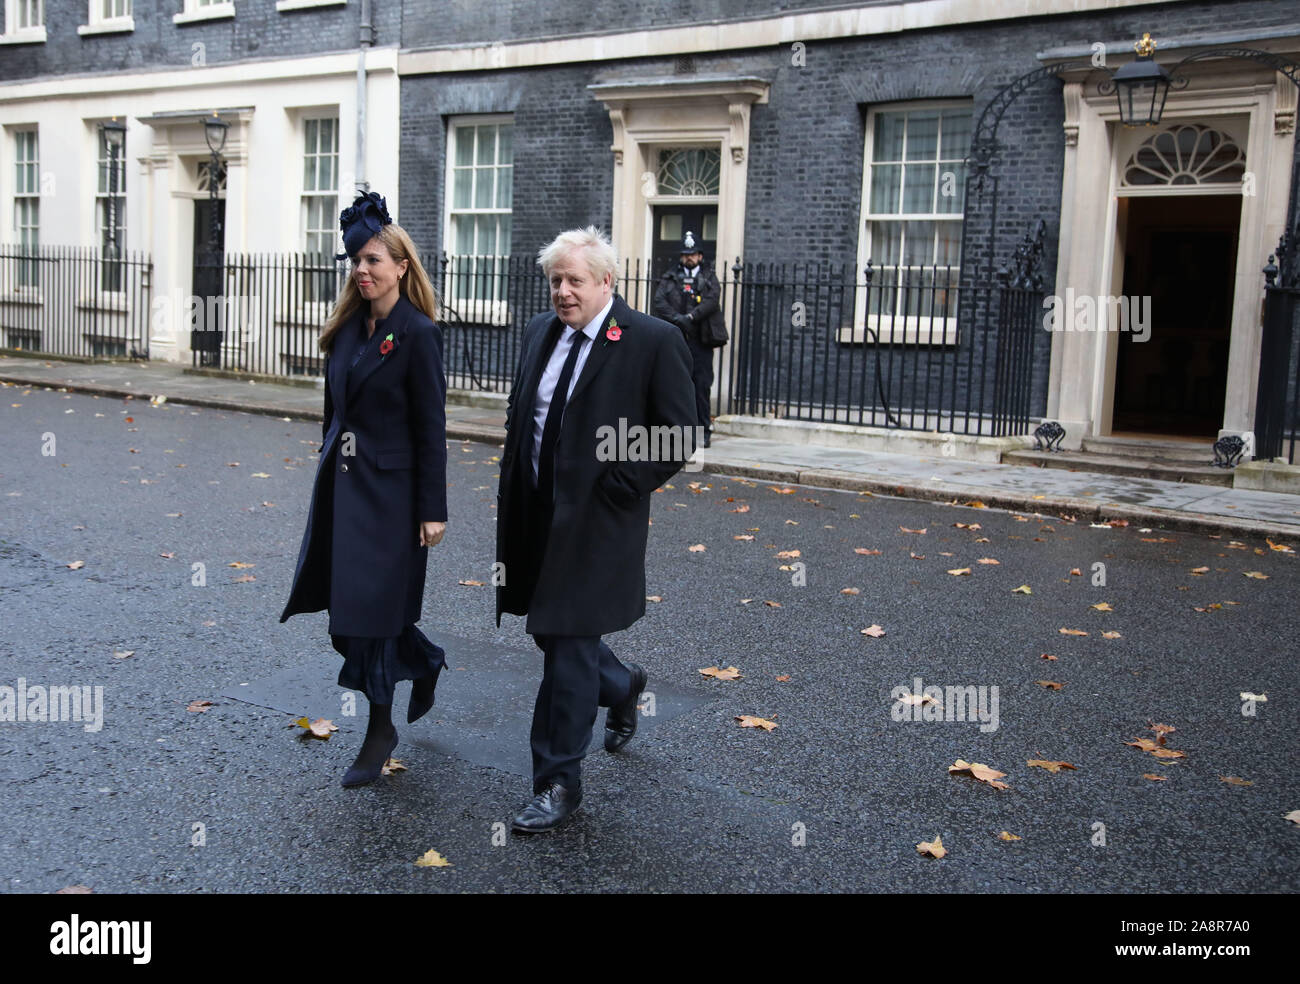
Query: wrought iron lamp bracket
x=1279 y=63
x=984 y=144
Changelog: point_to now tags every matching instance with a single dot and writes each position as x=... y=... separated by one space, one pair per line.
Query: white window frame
x=30 y=289
x=30 y=34
x=1129 y=142
x=918 y=329
x=492 y=311
x=101 y=210
x=658 y=198
x=305 y=194
x=283 y=5
x=201 y=10
x=101 y=18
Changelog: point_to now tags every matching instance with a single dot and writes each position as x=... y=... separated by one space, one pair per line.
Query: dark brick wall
x=806 y=144
x=257 y=30
x=563 y=169
x=806 y=147
x=465 y=21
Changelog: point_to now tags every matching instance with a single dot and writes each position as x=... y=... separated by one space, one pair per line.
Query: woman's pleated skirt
x=374 y=666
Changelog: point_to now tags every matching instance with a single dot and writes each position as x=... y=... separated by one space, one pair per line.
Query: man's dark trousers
x=701 y=375
x=580 y=674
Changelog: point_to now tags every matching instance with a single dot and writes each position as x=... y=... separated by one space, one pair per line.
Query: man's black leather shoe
x=620 y=720
x=549 y=808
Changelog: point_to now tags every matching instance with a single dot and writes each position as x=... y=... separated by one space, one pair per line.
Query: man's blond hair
x=594 y=246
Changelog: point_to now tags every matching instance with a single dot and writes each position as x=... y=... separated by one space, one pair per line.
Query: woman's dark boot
x=380 y=740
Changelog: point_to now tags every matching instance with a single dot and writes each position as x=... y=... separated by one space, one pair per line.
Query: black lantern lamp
x=114 y=135
x=214 y=131
x=1141 y=87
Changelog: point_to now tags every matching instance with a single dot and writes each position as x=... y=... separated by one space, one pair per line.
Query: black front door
x=206 y=329
x=1180 y=261
x=672 y=222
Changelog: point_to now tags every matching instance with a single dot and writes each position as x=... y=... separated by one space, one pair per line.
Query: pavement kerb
x=457 y=431
x=715 y=464
x=1089 y=509
x=211 y=403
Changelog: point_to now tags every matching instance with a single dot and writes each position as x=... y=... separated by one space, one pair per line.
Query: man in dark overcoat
x=690 y=297
x=601 y=414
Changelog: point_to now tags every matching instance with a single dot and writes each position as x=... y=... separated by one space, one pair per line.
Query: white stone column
x=1087 y=225
x=168 y=339
x=241 y=339
x=1269 y=149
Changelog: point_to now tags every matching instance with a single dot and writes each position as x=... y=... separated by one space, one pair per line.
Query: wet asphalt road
x=834 y=799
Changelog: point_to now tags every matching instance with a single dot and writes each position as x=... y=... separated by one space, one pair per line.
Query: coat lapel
x=345 y=347
x=602 y=348
x=531 y=377
x=372 y=359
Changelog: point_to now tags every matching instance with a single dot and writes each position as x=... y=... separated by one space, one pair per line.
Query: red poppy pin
x=613 y=333
x=386 y=346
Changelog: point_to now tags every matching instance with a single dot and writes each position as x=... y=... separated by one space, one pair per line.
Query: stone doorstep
x=1179 y=452
x=1131 y=466
x=926 y=444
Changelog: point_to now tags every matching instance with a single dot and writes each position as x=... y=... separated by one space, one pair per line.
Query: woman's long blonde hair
x=414 y=285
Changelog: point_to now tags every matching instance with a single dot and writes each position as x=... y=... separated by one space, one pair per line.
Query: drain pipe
x=366 y=39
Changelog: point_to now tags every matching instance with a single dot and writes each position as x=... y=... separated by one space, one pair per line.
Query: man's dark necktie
x=554 y=416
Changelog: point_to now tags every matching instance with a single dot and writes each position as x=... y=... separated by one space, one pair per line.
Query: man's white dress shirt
x=551 y=375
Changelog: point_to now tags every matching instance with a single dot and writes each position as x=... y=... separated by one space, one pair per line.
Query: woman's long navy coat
x=382 y=471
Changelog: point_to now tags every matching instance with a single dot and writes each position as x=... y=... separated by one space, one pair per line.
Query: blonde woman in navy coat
x=380 y=496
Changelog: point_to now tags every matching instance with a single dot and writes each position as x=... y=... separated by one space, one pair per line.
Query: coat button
x=343 y=467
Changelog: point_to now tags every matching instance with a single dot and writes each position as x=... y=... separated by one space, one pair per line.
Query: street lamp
x=205 y=338
x=1141 y=87
x=214 y=132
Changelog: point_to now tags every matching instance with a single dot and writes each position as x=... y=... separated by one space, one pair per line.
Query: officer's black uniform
x=689 y=299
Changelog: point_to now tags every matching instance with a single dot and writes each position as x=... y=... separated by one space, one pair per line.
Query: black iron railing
x=902 y=347
x=75 y=300
x=263 y=312
x=1277 y=402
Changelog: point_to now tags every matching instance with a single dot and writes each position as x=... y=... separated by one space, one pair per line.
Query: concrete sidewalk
x=1083 y=495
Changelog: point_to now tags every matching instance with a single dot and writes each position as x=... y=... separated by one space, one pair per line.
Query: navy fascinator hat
x=361 y=222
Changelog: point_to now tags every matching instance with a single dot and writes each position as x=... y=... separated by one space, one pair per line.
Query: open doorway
x=672 y=222
x=1181 y=252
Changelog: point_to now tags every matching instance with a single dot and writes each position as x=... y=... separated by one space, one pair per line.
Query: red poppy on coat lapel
x=613 y=333
x=386 y=346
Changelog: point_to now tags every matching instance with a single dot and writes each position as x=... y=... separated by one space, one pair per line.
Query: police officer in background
x=690 y=296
